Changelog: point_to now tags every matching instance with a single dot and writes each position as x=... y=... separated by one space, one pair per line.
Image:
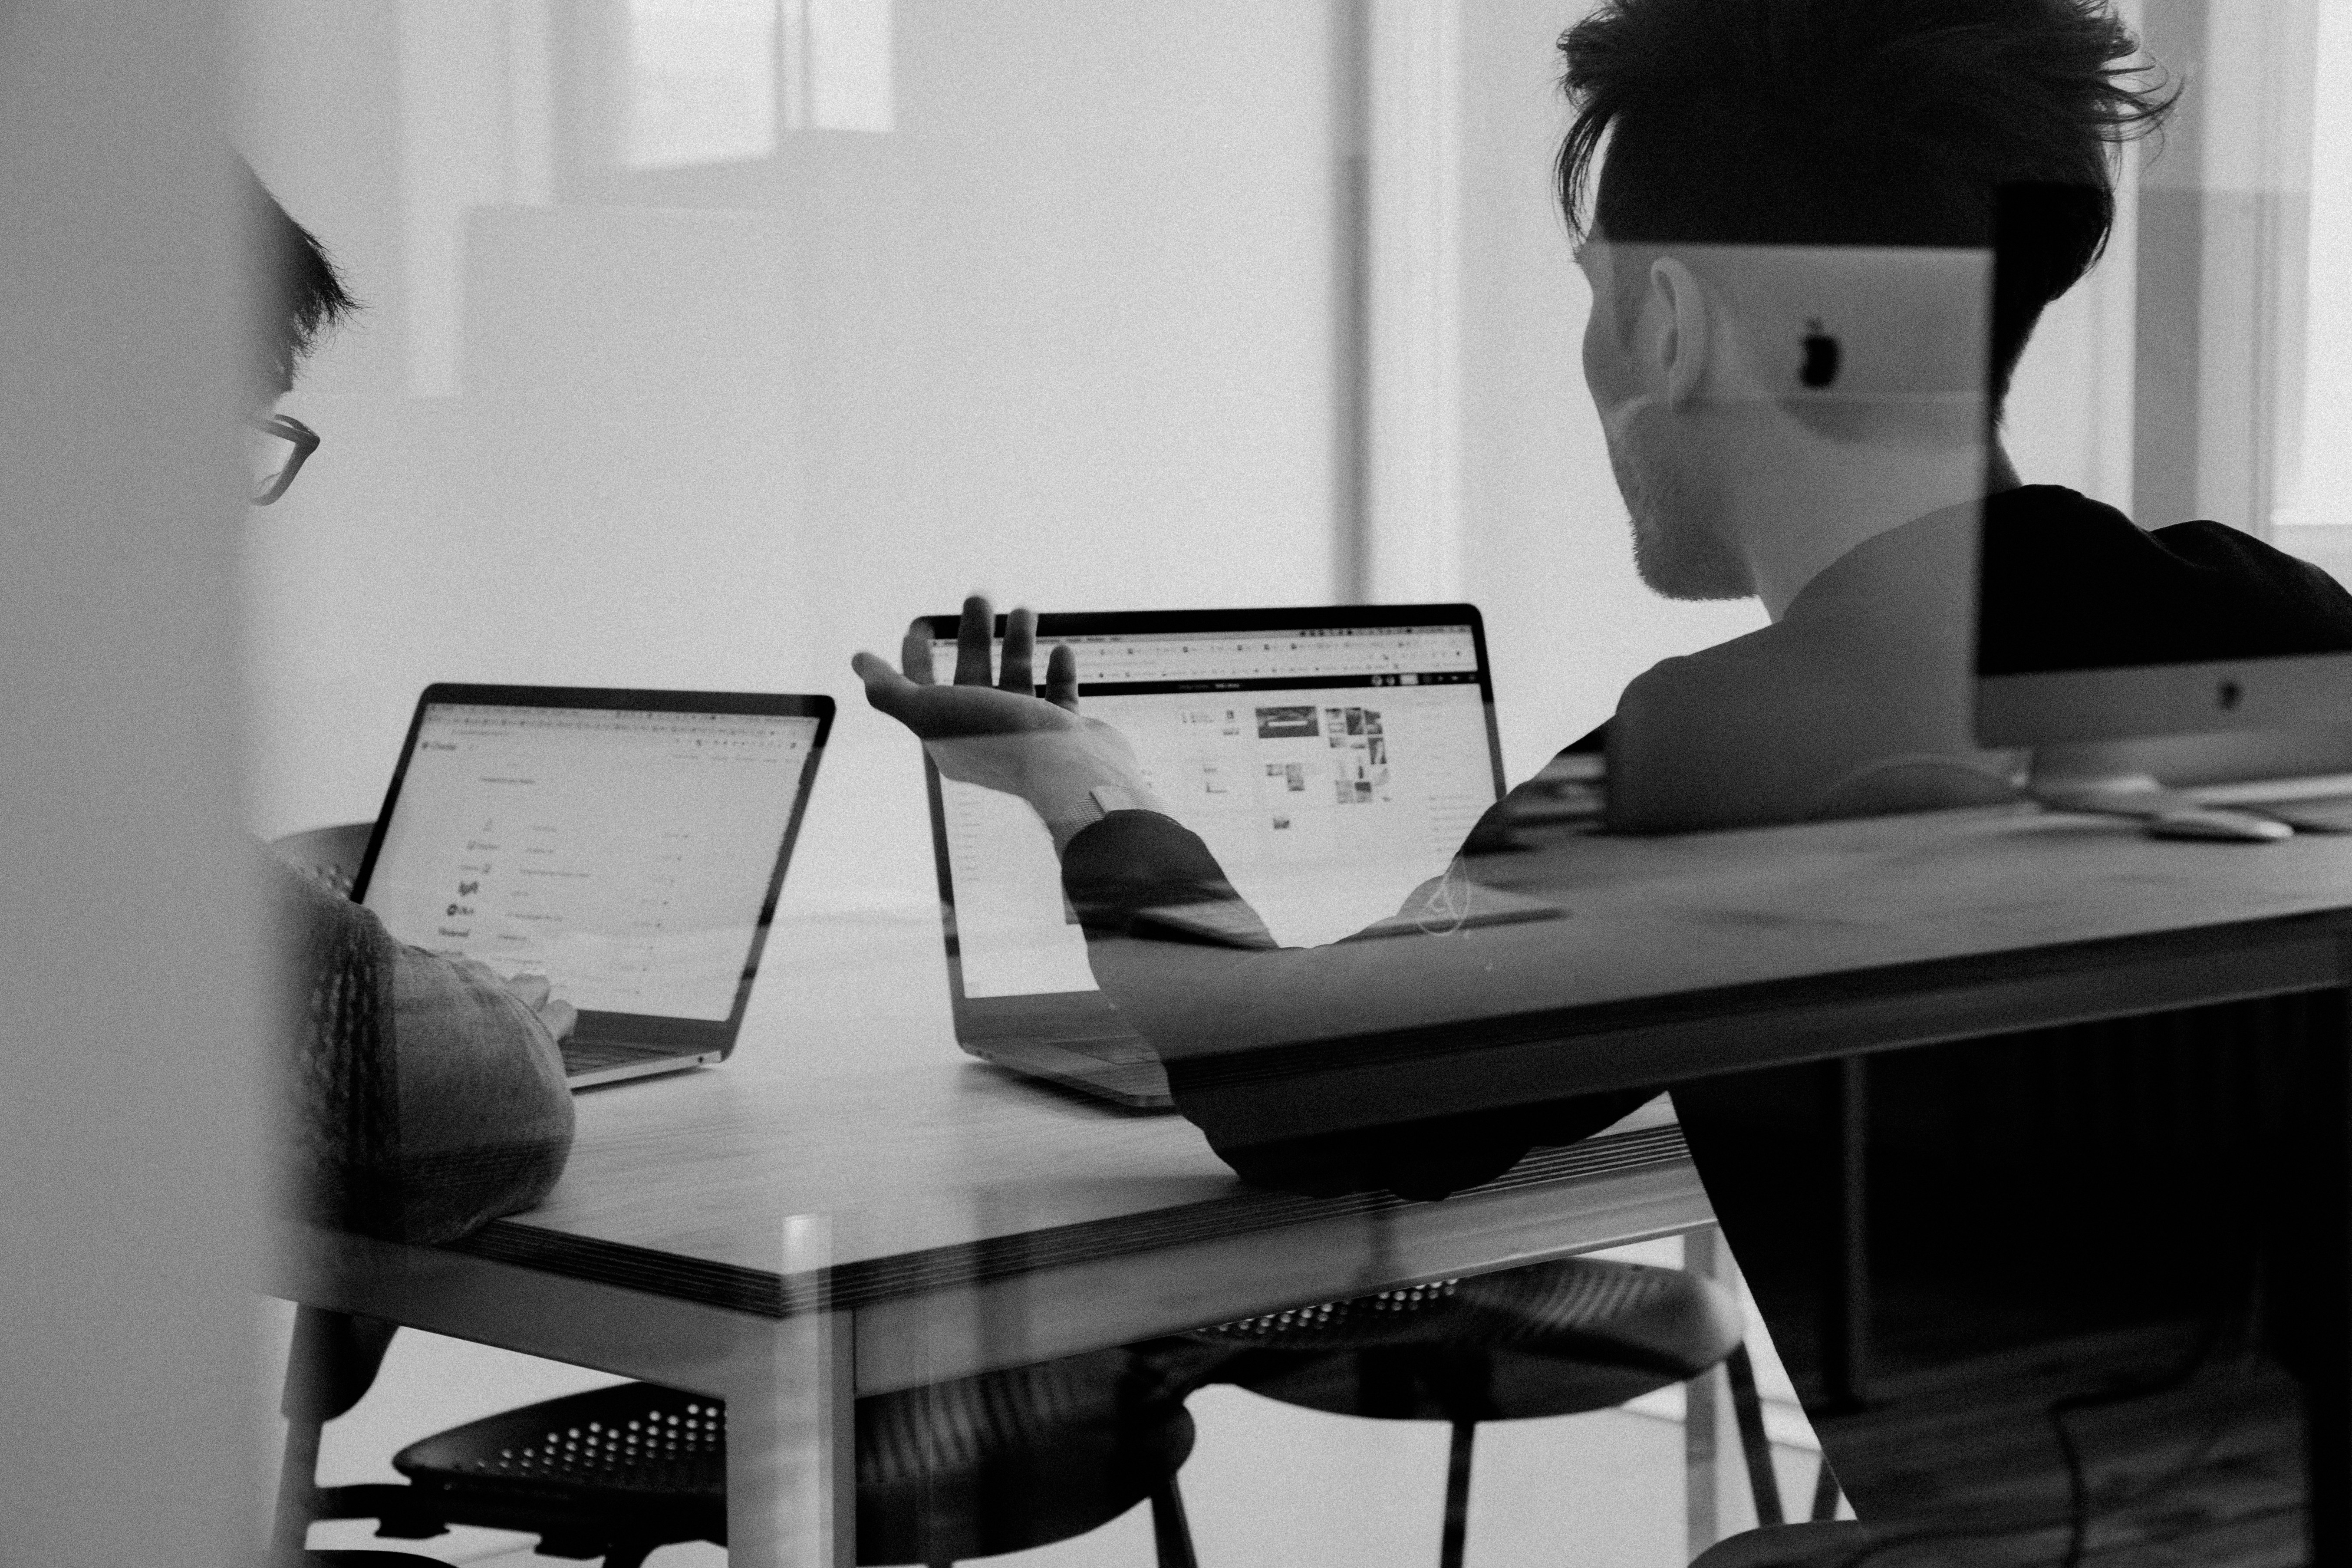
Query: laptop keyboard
x=595 y=1055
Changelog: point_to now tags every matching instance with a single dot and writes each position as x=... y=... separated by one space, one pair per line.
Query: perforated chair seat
x=1014 y=1461
x=1556 y=1339
x=1820 y=1544
x=978 y=1467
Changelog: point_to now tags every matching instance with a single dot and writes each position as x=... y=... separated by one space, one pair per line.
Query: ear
x=1685 y=345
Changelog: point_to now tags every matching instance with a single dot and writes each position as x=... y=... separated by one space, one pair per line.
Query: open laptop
x=628 y=846
x=1333 y=759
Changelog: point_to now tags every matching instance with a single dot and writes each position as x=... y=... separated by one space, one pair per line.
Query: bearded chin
x=1678 y=550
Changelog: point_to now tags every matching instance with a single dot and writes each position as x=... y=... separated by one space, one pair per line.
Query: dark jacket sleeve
x=420 y=1098
x=1174 y=945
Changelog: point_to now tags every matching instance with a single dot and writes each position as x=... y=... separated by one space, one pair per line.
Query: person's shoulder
x=2205 y=543
x=2072 y=583
x=1728 y=673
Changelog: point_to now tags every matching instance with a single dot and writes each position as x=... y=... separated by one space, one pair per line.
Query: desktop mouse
x=2215 y=825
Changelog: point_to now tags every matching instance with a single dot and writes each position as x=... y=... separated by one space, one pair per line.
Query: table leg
x=2328 y=1351
x=1845 y=1317
x=792 y=1472
x=1702 y=1415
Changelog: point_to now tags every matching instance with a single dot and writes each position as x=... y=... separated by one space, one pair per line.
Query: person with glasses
x=279 y=444
x=423 y=1095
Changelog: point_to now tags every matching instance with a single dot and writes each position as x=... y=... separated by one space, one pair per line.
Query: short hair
x=1864 y=122
x=298 y=293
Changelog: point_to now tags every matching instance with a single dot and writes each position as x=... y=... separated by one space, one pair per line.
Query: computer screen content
x=1329 y=769
x=624 y=855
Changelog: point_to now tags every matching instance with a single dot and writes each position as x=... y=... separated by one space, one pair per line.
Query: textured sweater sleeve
x=421 y=1099
x=1178 y=949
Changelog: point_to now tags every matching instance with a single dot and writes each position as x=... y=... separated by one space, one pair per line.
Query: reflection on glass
x=701 y=82
x=714 y=81
x=2314 y=492
x=848 y=56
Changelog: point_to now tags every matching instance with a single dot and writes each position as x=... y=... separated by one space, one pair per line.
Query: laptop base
x=1135 y=1085
x=588 y=1065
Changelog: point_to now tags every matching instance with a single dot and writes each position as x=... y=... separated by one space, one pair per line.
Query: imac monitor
x=2194 y=653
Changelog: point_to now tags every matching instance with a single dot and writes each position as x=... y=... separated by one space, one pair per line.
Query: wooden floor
x=2207 y=1470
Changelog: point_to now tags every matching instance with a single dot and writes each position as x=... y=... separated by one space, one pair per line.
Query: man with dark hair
x=1730 y=134
x=1737 y=128
x=1737 y=142
x=423 y=1095
x=1859 y=123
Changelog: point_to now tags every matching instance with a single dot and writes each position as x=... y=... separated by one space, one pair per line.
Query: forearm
x=486 y=1116
x=1205 y=1000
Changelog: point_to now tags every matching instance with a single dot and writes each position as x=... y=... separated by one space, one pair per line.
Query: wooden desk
x=848 y=1206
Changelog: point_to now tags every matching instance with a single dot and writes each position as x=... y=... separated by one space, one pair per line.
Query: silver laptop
x=1333 y=759
x=628 y=846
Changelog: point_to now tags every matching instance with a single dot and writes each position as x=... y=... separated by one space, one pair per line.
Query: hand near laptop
x=991 y=729
x=534 y=993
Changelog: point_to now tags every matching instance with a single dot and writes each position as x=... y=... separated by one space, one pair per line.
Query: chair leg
x=1754 y=1445
x=330 y=1364
x=1457 y=1495
x=1171 y=1534
x=298 y=1483
x=1825 y=1492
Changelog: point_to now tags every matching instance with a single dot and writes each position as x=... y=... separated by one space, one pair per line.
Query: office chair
x=329 y=855
x=1819 y=1544
x=977 y=1467
x=1557 y=1339
x=974 y=1468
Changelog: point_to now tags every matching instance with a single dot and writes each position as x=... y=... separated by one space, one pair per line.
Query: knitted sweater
x=421 y=1099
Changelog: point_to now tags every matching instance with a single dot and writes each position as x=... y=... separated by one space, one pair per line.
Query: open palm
x=989 y=727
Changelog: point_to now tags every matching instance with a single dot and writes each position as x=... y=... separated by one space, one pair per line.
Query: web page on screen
x=624 y=856
x=1330 y=771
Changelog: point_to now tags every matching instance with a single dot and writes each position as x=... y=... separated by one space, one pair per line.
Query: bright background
x=709 y=340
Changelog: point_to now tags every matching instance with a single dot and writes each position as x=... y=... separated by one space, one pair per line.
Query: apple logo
x=1821 y=366
x=2230 y=694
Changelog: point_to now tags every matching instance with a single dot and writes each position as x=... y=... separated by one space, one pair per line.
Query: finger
x=561 y=1018
x=1062 y=677
x=1020 y=652
x=886 y=689
x=976 y=638
x=915 y=651
x=531 y=988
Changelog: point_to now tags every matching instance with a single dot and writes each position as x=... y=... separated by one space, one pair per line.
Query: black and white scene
x=1247 y=783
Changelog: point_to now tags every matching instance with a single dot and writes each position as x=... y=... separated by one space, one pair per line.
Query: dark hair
x=1877 y=122
x=300 y=294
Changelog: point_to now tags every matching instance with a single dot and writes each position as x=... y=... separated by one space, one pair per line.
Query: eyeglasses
x=279 y=445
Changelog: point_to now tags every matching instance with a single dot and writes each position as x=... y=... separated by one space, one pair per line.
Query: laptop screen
x=629 y=856
x=1330 y=769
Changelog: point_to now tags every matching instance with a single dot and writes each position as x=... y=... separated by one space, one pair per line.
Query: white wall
x=1065 y=332
x=127 y=1208
x=2319 y=492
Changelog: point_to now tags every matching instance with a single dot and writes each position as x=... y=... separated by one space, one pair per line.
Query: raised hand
x=991 y=729
x=975 y=704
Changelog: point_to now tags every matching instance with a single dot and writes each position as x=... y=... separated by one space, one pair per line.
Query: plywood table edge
x=683 y=1344
x=909 y=1341
x=1655 y=1043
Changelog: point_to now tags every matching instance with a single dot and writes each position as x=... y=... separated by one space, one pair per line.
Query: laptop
x=1333 y=759
x=629 y=846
